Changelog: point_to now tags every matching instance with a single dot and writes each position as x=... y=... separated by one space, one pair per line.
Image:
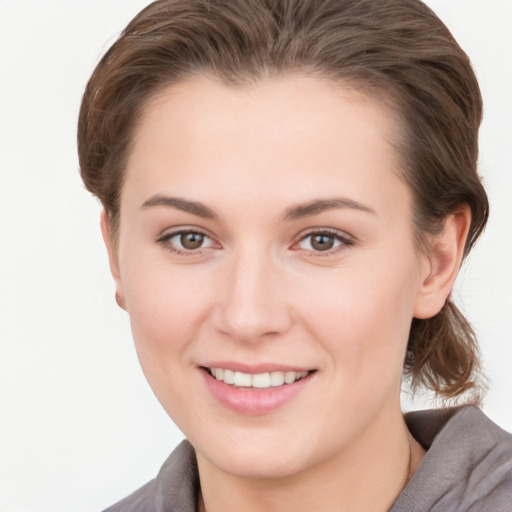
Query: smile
x=258 y=392
x=257 y=380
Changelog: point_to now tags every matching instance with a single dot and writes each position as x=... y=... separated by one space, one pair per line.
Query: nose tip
x=253 y=305
x=250 y=323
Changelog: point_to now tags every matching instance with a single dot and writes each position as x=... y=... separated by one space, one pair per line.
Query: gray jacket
x=467 y=468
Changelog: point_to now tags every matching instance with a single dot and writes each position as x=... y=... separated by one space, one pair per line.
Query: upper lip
x=256 y=368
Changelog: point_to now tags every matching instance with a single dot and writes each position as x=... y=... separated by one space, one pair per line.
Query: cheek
x=167 y=307
x=363 y=319
x=167 y=314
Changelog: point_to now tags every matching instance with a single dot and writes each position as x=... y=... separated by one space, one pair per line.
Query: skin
x=257 y=291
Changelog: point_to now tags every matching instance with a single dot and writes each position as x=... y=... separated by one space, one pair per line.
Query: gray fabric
x=468 y=468
x=173 y=490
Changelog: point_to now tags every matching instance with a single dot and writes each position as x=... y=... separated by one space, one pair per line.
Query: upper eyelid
x=327 y=231
x=170 y=232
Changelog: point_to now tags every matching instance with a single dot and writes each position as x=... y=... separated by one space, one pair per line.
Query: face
x=266 y=258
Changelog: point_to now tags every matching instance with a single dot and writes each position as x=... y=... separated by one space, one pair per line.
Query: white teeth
x=261 y=380
x=277 y=378
x=243 y=379
x=229 y=377
x=258 y=380
x=289 y=377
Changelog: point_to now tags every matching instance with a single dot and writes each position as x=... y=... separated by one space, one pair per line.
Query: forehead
x=282 y=136
x=302 y=105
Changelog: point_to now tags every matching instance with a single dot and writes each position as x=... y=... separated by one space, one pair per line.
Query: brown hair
x=393 y=50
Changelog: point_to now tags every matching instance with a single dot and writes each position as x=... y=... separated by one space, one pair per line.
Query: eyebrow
x=192 y=207
x=300 y=211
x=318 y=206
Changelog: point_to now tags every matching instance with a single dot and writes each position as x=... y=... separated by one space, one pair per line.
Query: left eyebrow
x=184 y=205
x=318 y=206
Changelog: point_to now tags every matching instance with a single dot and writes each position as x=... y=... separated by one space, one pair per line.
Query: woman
x=289 y=189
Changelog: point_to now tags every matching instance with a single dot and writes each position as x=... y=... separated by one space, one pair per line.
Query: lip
x=251 y=401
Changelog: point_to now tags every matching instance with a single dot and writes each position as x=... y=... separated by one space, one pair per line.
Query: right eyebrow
x=193 y=207
x=318 y=206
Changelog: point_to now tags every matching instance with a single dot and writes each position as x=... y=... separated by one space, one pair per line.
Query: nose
x=252 y=303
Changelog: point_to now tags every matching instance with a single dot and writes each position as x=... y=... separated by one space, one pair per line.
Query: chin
x=258 y=466
x=258 y=459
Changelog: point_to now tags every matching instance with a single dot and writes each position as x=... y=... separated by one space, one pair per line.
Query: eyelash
x=165 y=241
x=344 y=242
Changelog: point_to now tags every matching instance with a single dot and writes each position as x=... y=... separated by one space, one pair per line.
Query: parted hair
x=395 y=51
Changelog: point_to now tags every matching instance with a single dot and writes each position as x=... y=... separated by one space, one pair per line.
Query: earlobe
x=112 y=258
x=442 y=264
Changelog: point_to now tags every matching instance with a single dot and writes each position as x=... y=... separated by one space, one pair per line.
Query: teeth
x=228 y=378
x=259 y=380
x=276 y=378
x=243 y=379
x=289 y=377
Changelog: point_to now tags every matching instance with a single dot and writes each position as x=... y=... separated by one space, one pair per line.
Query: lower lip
x=253 y=401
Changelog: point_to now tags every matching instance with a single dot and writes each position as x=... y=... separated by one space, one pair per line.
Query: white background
x=79 y=426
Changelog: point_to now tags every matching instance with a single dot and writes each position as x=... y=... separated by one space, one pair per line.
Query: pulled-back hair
x=395 y=51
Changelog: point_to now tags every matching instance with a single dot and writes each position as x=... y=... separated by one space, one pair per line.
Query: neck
x=369 y=475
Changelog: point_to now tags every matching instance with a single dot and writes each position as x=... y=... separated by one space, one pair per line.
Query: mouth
x=258 y=392
x=265 y=380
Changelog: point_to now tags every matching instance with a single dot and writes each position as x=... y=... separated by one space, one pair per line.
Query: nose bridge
x=253 y=302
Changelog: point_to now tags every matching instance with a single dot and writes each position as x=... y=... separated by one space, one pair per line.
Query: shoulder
x=468 y=465
x=174 y=489
x=142 y=499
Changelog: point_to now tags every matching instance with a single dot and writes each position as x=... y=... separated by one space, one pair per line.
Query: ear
x=442 y=263
x=113 y=258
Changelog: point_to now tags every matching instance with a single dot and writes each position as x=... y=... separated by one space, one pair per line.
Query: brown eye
x=191 y=241
x=322 y=242
x=186 y=242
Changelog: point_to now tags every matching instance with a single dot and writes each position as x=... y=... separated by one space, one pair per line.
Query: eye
x=323 y=241
x=186 y=241
x=189 y=241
